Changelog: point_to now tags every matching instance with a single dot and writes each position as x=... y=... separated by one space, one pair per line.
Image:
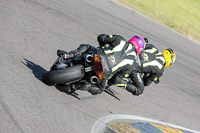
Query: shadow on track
x=38 y=71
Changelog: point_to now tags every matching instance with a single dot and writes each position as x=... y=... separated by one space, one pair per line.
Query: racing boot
x=69 y=55
x=75 y=53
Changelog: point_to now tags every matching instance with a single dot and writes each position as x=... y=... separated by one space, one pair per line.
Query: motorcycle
x=88 y=68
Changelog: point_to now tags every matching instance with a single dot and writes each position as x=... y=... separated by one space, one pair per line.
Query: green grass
x=181 y=15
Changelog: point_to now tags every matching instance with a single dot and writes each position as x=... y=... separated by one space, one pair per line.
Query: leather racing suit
x=122 y=62
x=152 y=64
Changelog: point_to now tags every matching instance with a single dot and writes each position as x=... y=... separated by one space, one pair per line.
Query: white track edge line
x=102 y=122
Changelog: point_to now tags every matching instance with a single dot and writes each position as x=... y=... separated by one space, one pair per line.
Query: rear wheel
x=63 y=76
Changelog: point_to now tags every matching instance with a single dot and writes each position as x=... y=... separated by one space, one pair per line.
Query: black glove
x=101 y=38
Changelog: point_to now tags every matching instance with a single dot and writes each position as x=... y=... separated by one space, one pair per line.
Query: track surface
x=32 y=30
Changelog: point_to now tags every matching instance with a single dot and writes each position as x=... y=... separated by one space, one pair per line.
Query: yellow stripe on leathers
x=122 y=63
x=117 y=48
x=123 y=128
x=165 y=129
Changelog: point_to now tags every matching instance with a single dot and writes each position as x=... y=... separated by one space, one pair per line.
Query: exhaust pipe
x=89 y=58
x=94 y=79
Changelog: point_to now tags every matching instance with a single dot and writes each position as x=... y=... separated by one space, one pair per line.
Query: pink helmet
x=138 y=42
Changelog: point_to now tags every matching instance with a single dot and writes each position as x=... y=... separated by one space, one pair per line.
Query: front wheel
x=63 y=76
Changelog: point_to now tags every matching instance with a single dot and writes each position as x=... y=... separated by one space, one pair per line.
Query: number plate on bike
x=88 y=69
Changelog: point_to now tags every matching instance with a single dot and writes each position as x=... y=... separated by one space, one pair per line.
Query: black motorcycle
x=88 y=68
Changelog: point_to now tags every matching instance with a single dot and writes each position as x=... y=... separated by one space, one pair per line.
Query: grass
x=181 y=15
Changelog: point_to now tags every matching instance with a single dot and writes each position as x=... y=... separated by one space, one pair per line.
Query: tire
x=63 y=76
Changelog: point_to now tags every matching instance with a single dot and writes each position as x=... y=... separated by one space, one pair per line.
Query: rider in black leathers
x=119 y=59
x=154 y=62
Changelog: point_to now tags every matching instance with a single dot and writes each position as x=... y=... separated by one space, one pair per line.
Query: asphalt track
x=32 y=30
